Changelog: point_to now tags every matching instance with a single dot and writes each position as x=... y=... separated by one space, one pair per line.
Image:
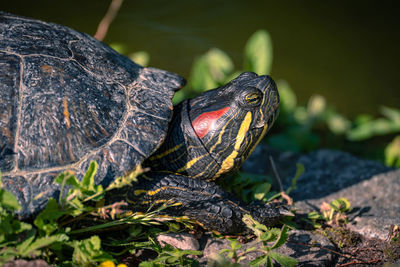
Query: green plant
x=366 y=127
x=333 y=213
x=270 y=239
x=19 y=238
x=70 y=231
x=170 y=256
x=392 y=153
x=251 y=186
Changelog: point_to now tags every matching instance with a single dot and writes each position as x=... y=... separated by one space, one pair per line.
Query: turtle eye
x=253 y=98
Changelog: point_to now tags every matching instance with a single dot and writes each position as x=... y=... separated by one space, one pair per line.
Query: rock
x=372 y=188
x=375 y=202
x=184 y=241
x=329 y=171
x=307 y=248
x=326 y=171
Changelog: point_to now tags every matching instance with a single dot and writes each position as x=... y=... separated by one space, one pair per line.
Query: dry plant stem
x=287 y=198
x=320 y=247
x=107 y=19
x=356 y=261
x=278 y=178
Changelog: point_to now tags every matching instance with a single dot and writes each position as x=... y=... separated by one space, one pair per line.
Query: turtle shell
x=67 y=99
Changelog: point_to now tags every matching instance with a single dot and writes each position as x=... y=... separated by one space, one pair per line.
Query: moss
x=341 y=236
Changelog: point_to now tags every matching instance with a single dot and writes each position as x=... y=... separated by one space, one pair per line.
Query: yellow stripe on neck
x=166 y=152
x=222 y=132
x=190 y=163
x=228 y=163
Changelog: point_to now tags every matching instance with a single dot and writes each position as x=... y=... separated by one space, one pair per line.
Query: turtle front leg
x=202 y=201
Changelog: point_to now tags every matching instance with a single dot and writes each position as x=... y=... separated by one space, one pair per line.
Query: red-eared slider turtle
x=67 y=99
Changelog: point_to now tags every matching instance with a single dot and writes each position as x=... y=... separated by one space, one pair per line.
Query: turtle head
x=231 y=120
x=213 y=133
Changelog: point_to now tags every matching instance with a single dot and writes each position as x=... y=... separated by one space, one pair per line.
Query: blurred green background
x=347 y=51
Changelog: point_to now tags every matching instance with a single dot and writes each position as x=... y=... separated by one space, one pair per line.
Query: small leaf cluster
x=171 y=256
x=18 y=238
x=333 y=213
x=251 y=186
x=270 y=239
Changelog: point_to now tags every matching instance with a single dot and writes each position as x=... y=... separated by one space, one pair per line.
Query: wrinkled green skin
x=202 y=200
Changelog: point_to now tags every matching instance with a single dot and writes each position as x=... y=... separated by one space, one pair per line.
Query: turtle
x=67 y=99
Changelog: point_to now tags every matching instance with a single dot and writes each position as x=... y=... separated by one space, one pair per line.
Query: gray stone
x=326 y=171
x=375 y=202
x=372 y=188
x=307 y=248
x=184 y=241
x=329 y=171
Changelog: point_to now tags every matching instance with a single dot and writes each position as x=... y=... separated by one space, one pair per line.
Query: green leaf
x=380 y=126
x=210 y=70
x=392 y=114
x=337 y=123
x=42 y=242
x=269 y=262
x=88 y=179
x=119 y=47
x=261 y=190
x=258 y=228
x=340 y=204
x=7 y=254
x=67 y=178
x=392 y=153
x=282 y=237
x=84 y=190
x=22 y=248
x=140 y=57
x=283 y=260
x=316 y=106
x=220 y=65
x=299 y=171
x=88 y=252
x=46 y=220
x=259 y=261
x=288 y=99
x=314 y=215
x=8 y=200
x=149 y=264
x=126 y=180
x=258 y=53
x=200 y=77
x=235 y=244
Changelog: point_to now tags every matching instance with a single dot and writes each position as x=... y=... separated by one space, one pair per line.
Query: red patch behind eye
x=206 y=121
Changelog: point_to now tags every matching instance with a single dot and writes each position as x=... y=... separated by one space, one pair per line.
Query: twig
x=278 y=178
x=357 y=262
x=347 y=256
x=107 y=19
x=321 y=247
